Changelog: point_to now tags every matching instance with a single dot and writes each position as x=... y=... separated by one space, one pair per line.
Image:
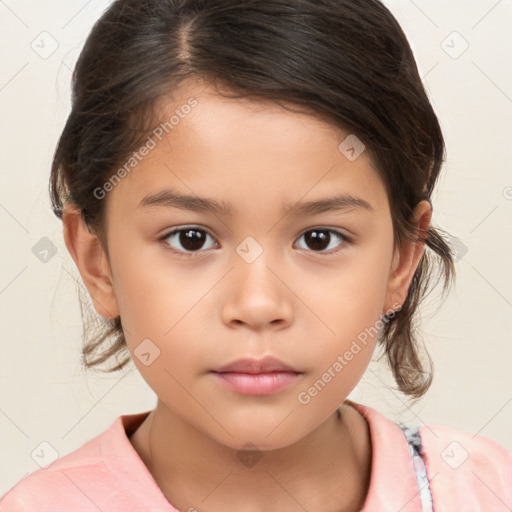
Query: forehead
x=236 y=149
x=220 y=121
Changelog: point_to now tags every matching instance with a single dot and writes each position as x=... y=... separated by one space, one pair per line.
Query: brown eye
x=188 y=239
x=320 y=239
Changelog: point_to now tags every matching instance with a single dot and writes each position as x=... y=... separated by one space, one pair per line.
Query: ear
x=91 y=261
x=407 y=258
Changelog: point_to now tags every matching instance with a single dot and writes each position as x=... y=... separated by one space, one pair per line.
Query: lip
x=257 y=376
x=254 y=366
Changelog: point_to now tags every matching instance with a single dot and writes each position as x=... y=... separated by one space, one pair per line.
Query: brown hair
x=347 y=61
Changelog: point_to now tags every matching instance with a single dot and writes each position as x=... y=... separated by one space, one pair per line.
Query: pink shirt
x=107 y=475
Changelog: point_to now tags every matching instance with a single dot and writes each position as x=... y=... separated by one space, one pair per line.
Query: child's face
x=258 y=283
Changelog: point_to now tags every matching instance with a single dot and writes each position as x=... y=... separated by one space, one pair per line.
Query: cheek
x=342 y=352
x=349 y=302
x=163 y=302
x=152 y=294
x=352 y=295
x=336 y=379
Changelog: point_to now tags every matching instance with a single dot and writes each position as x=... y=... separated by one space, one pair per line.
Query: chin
x=257 y=437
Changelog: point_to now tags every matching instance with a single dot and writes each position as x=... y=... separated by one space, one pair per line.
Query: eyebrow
x=172 y=199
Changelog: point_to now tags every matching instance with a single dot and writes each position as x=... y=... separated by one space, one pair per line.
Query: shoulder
x=104 y=474
x=56 y=485
x=464 y=466
x=61 y=484
x=464 y=471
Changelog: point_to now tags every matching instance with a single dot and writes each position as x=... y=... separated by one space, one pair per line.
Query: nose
x=257 y=296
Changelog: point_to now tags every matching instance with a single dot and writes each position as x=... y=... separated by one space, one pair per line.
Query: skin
x=292 y=302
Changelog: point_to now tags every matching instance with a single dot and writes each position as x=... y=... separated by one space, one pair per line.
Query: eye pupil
x=317 y=239
x=191 y=239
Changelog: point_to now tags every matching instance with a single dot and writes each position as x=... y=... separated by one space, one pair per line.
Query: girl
x=245 y=187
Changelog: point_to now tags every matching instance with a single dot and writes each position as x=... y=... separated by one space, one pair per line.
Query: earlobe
x=91 y=261
x=407 y=258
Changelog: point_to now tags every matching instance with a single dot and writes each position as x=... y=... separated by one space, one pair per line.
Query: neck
x=329 y=469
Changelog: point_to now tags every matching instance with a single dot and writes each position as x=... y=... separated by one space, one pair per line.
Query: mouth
x=248 y=365
x=257 y=377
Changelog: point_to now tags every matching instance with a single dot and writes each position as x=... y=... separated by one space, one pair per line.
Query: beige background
x=45 y=396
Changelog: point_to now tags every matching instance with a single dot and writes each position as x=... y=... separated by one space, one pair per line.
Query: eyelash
x=345 y=240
